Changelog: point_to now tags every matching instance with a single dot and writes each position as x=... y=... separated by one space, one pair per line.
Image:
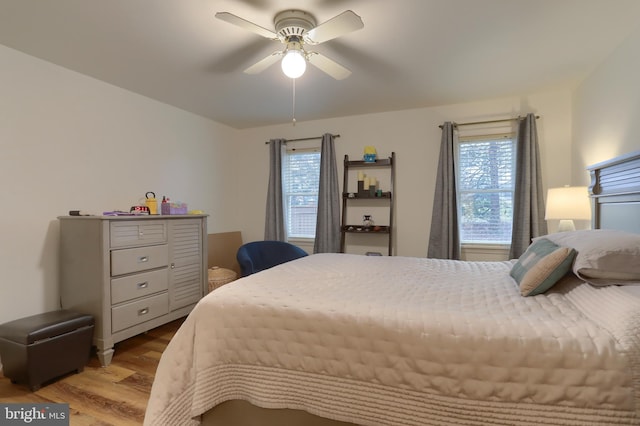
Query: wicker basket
x=219 y=277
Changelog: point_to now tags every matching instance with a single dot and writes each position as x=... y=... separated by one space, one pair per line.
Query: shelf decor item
x=369 y=154
x=367 y=221
x=361 y=178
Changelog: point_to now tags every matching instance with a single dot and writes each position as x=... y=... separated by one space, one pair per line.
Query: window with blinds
x=300 y=181
x=485 y=184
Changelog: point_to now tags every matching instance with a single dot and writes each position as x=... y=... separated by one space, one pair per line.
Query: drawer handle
x=143 y=285
x=143 y=311
x=143 y=259
x=173 y=266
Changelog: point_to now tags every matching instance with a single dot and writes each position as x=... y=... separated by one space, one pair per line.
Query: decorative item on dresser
x=131 y=273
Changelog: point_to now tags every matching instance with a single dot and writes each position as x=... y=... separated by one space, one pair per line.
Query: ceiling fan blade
x=339 y=25
x=243 y=23
x=329 y=66
x=263 y=64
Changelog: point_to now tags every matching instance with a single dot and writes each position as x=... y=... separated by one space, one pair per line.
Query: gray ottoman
x=39 y=348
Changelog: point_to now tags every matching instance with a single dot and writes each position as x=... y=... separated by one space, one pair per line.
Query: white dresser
x=132 y=273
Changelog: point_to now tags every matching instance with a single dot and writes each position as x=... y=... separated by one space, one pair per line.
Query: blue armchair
x=259 y=255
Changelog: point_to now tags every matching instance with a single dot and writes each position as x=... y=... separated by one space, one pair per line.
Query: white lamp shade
x=293 y=64
x=568 y=203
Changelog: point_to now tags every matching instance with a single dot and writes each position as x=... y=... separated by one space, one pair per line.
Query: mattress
x=405 y=341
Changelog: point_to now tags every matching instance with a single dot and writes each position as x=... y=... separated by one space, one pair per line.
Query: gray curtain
x=328 y=218
x=528 y=202
x=274 y=217
x=444 y=238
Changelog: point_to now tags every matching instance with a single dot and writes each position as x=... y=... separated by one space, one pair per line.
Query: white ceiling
x=410 y=53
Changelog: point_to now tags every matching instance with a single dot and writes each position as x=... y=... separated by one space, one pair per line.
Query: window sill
x=485 y=246
x=300 y=240
x=484 y=252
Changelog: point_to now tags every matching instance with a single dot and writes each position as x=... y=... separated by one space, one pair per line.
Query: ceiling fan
x=297 y=29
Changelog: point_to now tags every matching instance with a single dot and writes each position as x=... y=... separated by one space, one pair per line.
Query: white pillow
x=605 y=256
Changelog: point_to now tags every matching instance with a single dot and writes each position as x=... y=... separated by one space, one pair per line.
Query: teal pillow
x=541 y=266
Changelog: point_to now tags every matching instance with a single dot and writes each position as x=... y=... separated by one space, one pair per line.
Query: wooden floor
x=113 y=395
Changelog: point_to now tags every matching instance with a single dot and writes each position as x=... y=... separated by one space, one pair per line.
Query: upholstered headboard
x=615 y=193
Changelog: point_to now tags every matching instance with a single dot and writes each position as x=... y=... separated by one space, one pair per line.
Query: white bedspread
x=405 y=341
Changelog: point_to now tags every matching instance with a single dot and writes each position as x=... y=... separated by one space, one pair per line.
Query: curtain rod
x=488 y=121
x=304 y=139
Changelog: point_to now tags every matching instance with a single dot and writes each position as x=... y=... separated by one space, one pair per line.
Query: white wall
x=415 y=137
x=606 y=111
x=71 y=142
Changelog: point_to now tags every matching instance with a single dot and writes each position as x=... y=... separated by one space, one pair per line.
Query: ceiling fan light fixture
x=294 y=63
x=296 y=28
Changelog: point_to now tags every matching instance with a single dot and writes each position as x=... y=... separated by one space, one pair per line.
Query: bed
x=337 y=339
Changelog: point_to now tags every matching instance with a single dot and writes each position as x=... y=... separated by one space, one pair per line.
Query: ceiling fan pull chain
x=294 y=101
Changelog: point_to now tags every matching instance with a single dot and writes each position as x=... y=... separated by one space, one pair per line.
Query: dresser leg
x=105 y=356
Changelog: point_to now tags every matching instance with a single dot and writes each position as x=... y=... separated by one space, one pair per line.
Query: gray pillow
x=605 y=256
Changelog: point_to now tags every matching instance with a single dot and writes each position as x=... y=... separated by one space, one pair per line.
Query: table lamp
x=567 y=204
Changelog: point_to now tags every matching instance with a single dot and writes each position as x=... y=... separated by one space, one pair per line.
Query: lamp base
x=566 y=225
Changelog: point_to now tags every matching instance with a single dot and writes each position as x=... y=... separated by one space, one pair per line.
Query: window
x=485 y=182
x=300 y=181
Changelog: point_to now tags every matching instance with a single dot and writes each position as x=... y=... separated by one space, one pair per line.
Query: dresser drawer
x=138 y=285
x=139 y=311
x=135 y=233
x=138 y=259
